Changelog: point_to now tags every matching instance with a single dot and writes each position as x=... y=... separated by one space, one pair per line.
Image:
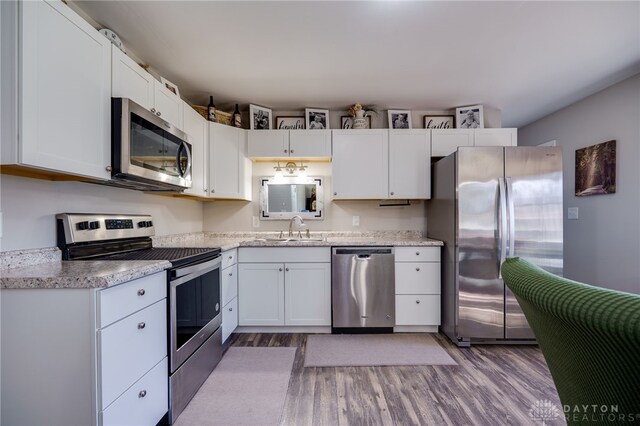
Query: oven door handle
x=187 y=274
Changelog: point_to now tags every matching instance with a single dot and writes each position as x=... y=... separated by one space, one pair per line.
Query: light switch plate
x=356 y=221
x=256 y=222
x=572 y=213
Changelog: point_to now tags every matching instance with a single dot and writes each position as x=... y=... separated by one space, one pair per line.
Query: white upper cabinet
x=229 y=167
x=167 y=105
x=65 y=80
x=360 y=164
x=447 y=141
x=130 y=80
x=303 y=144
x=197 y=128
x=410 y=164
x=495 y=137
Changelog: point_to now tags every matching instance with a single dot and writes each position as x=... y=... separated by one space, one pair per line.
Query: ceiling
x=527 y=59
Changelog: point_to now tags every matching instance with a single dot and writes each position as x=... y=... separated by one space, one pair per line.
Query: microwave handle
x=178 y=164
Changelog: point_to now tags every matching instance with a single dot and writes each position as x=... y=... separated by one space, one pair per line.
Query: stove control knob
x=142 y=224
x=149 y=224
x=82 y=225
x=94 y=225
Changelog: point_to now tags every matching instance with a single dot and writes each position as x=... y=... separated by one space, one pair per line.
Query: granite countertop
x=78 y=274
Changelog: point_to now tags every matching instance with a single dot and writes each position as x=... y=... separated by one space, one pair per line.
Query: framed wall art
x=439 y=121
x=259 y=117
x=290 y=122
x=596 y=169
x=317 y=119
x=399 y=119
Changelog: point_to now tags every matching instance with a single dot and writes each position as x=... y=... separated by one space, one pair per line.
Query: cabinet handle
x=158 y=113
x=417 y=302
x=213 y=191
x=417 y=253
x=280 y=269
x=141 y=325
x=230 y=274
x=418 y=269
x=291 y=151
x=391 y=193
x=285 y=151
x=286 y=269
x=230 y=257
x=230 y=309
x=204 y=189
x=153 y=110
x=141 y=292
x=335 y=193
x=142 y=394
x=108 y=168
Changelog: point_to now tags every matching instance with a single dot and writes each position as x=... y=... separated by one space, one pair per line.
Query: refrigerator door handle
x=502 y=226
x=512 y=218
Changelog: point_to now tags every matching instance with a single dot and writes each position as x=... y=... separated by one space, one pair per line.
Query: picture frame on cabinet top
x=346 y=122
x=290 y=122
x=470 y=117
x=317 y=119
x=173 y=88
x=439 y=121
x=399 y=119
x=259 y=117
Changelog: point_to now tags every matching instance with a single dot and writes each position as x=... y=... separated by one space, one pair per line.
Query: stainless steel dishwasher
x=363 y=289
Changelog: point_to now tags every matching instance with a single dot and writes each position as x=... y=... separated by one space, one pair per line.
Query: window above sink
x=284 y=197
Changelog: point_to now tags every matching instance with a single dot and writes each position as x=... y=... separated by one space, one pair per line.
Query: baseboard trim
x=283 y=329
x=415 y=329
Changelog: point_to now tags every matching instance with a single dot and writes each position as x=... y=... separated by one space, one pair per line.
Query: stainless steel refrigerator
x=487 y=204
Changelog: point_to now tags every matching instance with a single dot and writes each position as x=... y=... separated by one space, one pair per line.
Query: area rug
x=364 y=350
x=248 y=387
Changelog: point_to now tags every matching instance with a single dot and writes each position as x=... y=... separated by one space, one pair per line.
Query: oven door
x=147 y=147
x=194 y=308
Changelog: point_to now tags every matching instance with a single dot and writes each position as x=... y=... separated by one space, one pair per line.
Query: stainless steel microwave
x=147 y=153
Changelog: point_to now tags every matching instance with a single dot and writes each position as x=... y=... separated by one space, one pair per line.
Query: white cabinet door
x=360 y=164
x=310 y=144
x=307 y=294
x=268 y=143
x=66 y=92
x=229 y=318
x=410 y=164
x=130 y=80
x=168 y=106
x=229 y=168
x=261 y=294
x=196 y=127
x=447 y=141
x=495 y=137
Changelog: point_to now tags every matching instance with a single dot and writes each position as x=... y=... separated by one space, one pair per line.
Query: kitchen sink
x=287 y=240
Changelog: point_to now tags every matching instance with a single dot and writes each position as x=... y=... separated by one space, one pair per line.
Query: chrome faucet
x=299 y=224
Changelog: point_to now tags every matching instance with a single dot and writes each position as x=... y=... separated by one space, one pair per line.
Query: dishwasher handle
x=363 y=252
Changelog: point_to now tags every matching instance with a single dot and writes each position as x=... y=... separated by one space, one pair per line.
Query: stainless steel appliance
x=193 y=289
x=147 y=153
x=363 y=289
x=487 y=204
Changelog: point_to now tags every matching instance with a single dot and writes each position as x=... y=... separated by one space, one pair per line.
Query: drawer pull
x=418 y=269
x=280 y=269
x=230 y=309
x=230 y=257
x=141 y=325
x=287 y=269
x=141 y=292
x=230 y=274
x=417 y=302
x=417 y=253
x=142 y=394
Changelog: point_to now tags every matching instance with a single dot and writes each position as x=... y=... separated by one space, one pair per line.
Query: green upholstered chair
x=590 y=338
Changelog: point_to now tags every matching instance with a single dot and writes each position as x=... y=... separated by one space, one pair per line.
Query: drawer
x=229 y=319
x=229 y=257
x=418 y=309
x=119 y=301
x=284 y=255
x=229 y=284
x=144 y=403
x=418 y=278
x=417 y=254
x=129 y=348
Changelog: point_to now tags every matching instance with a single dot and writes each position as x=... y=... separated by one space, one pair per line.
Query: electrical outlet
x=256 y=222
x=356 y=221
x=572 y=213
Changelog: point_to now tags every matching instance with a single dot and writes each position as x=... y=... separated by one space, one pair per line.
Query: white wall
x=237 y=215
x=29 y=207
x=602 y=247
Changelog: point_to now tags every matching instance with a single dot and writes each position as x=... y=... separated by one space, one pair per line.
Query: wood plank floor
x=491 y=385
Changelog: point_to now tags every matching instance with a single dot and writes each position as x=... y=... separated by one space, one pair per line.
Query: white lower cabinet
x=229 y=293
x=417 y=286
x=284 y=287
x=92 y=356
x=229 y=318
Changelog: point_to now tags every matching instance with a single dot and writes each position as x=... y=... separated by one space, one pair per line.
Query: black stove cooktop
x=178 y=256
